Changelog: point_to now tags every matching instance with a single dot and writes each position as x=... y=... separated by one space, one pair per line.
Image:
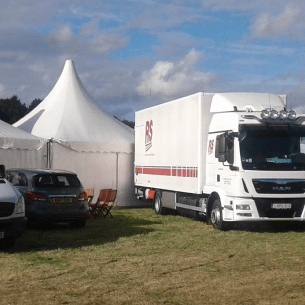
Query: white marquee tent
x=21 y=149
x=83 y=138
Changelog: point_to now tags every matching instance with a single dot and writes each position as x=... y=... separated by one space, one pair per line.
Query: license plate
x=281 y=206
x=1 y=234
x=61 y=200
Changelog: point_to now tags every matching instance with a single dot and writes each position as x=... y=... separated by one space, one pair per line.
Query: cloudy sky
x=131 y=54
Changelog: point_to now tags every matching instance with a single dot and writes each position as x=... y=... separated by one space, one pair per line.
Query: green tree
x=126 y=122
x=11 y=109
x=34 y=104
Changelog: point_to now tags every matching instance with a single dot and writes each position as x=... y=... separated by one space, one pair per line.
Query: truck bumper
x=12 y=228
x=264 y=209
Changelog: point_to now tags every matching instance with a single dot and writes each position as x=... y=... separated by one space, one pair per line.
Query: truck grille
x=6 y=209
x=279 y=186
x=264 y=207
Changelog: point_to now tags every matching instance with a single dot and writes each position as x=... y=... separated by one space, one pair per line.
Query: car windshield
x=56 y=180
x=272 y=147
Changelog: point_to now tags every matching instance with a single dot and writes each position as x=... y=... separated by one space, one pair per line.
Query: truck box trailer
x=228 y=157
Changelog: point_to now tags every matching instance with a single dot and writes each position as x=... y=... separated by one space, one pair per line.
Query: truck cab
x=257 y=167
x=12 y=211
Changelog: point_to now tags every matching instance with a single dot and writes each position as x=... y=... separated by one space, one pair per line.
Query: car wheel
x=79 y=223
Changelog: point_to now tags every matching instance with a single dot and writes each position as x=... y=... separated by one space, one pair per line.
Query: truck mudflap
x=12 y=228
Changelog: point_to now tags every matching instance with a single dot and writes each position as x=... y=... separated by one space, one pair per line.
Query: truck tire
x=216 y=216
x=158 y=204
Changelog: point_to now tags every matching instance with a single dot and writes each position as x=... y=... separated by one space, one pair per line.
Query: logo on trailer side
x=211 y=147
x=148 y=135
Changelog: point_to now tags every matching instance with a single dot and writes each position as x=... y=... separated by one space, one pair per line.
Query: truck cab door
x=225 y=171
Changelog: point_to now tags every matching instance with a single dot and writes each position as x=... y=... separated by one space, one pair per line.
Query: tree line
x=12 y=110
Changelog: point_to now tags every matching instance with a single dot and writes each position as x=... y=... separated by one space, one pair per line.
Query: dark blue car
x=51 y=195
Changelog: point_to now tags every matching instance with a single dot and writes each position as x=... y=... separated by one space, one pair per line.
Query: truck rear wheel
x=217 y=217
x=158 y=203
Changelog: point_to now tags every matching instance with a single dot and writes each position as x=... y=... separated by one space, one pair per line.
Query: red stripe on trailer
x=190 y=172
x=157 y=171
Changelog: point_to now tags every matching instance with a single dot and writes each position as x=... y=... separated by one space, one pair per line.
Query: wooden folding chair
x=105 y=202
x=109 y=203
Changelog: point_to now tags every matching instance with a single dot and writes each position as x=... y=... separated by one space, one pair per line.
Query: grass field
x=142 y=258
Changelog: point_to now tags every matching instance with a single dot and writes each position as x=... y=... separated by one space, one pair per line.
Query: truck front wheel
x=158 y=204
x=216 y=216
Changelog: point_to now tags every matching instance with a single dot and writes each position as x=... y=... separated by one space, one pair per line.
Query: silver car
x=51 y=195
x=12 y=216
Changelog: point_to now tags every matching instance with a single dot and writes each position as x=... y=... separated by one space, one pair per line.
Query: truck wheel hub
x=215 y=216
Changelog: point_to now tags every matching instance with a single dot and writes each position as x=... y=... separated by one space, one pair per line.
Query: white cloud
x=257 y=49
x=91 y=39
x=21 y=89
x=268 y=18
x=101 y=41
x=267 y=25
x=64 y=34
x=245 y=5
x=170 y=79
x=2 y=89
x=159 y=16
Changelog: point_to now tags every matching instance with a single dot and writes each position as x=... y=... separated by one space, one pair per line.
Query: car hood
x=8 y=193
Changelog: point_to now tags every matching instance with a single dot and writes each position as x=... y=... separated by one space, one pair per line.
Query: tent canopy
x=83 y=138
x=69 y=114
x=14 y=138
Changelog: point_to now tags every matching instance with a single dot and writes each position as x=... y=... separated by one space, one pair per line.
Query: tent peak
x=69 y=113
x=69 y=62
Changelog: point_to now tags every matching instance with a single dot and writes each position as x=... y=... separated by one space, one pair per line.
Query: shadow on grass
x=96 y=232
x=269 y=227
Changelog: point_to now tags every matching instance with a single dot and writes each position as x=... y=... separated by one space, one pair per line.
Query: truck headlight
x=265 y=114
x=242 y=207
x=274 y=114
x=283 y=114
x=19 y=209
x=292 y=115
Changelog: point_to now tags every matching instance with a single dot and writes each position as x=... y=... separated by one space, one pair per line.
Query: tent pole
x=49 y=154
x=117 y=171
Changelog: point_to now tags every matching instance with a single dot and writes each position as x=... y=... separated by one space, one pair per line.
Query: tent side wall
x=126 y=190
x=99 y=170
x=24 y=158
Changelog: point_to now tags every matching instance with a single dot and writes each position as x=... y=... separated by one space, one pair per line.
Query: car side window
x=18 y=179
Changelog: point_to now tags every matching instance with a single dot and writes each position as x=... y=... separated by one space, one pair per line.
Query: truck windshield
x=272 y=147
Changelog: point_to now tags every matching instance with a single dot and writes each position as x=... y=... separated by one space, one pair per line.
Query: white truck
x=12 y=211
x=229 y=157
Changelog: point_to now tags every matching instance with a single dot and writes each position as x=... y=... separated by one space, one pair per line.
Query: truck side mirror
x=220 y=151
x=225 y=148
